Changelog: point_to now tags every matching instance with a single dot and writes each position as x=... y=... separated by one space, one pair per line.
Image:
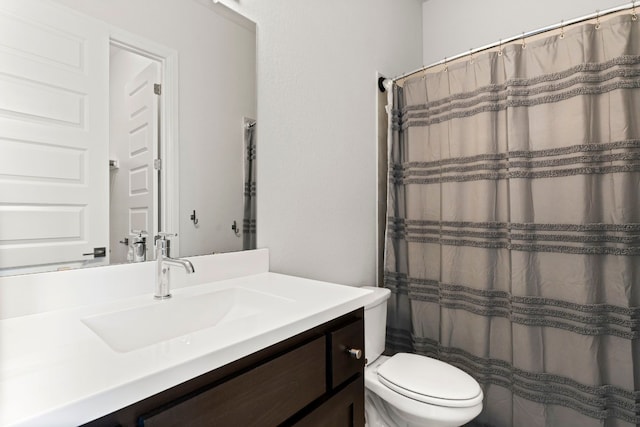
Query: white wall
x=451 y=27
x=317 y=64
x=217 y=89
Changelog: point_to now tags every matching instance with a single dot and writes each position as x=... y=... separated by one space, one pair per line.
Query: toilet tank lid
x=377 y=296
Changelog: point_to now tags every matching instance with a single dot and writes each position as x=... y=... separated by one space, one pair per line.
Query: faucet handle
x=162 y=242
x=163 y=235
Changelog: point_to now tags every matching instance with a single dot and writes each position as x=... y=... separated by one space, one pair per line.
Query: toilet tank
x=375 y=322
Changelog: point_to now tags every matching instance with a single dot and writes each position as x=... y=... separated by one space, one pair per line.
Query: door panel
x=53 y=134
x=134 y=124
x=142 y=108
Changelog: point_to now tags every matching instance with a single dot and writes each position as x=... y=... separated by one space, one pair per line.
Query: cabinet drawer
x=254 y=398
x=344 y=365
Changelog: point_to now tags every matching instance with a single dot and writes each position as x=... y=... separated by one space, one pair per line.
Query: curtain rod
x=562 y=24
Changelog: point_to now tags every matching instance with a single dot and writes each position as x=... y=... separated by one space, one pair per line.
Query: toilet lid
x=429 y=380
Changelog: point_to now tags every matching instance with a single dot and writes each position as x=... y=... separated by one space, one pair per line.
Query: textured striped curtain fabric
x=249 y=234
x=513 y=234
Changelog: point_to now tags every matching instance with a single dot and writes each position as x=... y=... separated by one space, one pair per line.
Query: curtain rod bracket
x=381 y=84
x=384 y=84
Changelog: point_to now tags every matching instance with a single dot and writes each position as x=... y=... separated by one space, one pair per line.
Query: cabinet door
x=343 y=409
x=264 y=396
x=344 y=365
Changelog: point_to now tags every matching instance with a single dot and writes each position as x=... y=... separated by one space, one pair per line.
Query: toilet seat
x=429 y=381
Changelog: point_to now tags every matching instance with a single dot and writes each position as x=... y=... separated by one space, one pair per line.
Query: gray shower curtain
x=513 y=233
x=249 y=235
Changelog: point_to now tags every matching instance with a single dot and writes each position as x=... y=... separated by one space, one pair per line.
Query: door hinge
x=157 y=164
x=157 y=89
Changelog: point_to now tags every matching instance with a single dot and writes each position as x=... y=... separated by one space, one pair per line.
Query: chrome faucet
x=163 y=262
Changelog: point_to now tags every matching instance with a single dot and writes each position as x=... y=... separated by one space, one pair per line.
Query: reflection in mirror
x=135 y=86
x=79 y=168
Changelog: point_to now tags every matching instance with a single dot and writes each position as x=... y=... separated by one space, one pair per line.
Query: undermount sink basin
x=134 y=328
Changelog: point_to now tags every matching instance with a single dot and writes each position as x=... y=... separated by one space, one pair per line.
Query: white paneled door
x=54 y=111
x=134 y=142
x=142 y=109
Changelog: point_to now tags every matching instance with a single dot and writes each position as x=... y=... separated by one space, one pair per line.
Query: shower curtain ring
x=524 y=42
x=446 y=66
x=597 y=19
x=634 y=15
x=562 y=29
x=500 y=47
x=471 y=58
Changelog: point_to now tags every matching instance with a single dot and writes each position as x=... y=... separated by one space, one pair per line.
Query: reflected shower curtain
x=513 y=234
x=249 y=235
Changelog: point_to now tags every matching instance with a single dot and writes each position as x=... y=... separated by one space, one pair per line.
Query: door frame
x=169 y=129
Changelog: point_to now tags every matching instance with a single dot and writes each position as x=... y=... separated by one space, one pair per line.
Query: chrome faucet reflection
x=163 y=262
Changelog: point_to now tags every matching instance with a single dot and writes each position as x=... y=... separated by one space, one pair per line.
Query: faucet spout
x=185 y=263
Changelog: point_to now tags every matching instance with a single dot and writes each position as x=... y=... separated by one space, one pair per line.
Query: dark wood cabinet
x=307 y=380
x=345 y=408
x=255 y=397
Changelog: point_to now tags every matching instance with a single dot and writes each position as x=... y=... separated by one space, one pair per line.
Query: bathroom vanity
x=306 y=380
x=235 y=345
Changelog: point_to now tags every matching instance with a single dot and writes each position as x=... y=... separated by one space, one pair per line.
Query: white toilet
x=409 y=389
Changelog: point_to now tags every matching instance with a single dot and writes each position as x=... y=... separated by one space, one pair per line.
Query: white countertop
x=55 y=371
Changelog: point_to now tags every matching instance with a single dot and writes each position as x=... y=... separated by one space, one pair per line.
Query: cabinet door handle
x=356 y=353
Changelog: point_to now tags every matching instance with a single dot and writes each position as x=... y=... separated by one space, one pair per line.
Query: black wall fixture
x=381 y=84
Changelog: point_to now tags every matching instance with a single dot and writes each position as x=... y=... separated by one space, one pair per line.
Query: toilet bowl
x=409 y=389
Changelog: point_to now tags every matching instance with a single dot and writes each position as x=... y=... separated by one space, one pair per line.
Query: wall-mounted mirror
x=117 y=121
